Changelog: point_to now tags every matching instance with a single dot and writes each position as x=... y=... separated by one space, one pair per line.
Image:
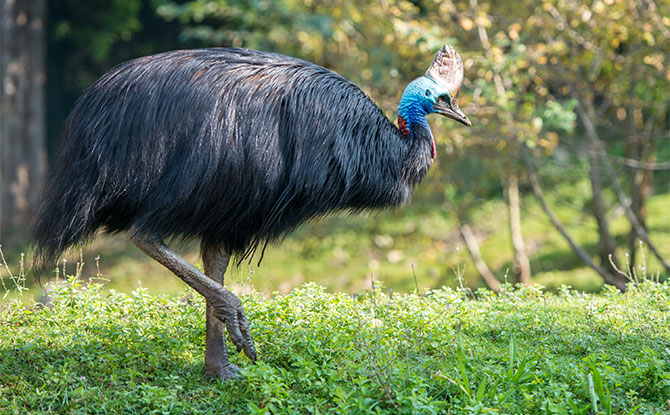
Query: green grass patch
x=445 y=351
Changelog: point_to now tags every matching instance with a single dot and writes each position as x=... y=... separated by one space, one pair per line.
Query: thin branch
x=640 y=165
x=625 y=161
x=625 y=201
x=486 y=44
x=576 y=149
x=521 y=262
x=620 y=283
x=473 y=248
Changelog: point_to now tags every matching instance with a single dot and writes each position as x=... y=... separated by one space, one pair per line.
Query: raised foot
x=228 y=309
x=227 y=372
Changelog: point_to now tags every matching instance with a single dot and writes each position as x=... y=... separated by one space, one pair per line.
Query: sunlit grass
x=526 y=351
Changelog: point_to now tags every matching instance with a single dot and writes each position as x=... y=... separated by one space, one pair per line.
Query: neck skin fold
x=412 y=112
x=412 y=118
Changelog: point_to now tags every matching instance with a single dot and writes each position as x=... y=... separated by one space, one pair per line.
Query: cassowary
x=234 y=148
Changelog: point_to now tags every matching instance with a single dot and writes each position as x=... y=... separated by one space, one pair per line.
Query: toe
x=226 y=372
x=230 y=371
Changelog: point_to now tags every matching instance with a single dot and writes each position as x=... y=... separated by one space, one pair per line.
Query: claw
x=238 y=327
x=250 y=352
x=234 y=333
x=249 y=348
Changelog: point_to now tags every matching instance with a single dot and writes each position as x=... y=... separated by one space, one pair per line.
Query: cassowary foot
x=227 y=372
x=229 y=310
x=225 y=305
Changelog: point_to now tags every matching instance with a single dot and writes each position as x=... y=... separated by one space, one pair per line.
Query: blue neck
x=412 y=113
x=412 y=108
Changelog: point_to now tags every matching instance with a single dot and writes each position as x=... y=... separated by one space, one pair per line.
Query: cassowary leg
x=226 y=306
x=215 y=261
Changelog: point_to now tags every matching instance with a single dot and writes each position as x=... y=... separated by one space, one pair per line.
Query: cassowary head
x=435 y=92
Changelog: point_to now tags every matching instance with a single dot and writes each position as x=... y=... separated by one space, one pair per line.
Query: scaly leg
x=226 y=306
x=215 y=261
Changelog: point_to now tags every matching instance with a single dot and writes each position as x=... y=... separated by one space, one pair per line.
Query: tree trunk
x=22 y=112
x=607 y=245
x=616 y=280
x=480 y=264
x=635 y=150
x=592 y=135
x=633 y=153
x=640 y=190
x=521 y=262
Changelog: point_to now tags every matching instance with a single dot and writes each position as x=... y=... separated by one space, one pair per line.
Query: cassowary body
x=233 y=147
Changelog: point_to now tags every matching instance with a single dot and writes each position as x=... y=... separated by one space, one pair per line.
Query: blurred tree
x=512 y=104
x=521 y=76
x=609 y=55
x=22 y=109
x=542 y=66
x=532 y=71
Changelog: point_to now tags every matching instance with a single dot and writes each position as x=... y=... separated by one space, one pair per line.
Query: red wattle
x=402 y=126
x=432 y=141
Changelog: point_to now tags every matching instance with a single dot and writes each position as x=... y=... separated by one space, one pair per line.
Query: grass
x=446 y=351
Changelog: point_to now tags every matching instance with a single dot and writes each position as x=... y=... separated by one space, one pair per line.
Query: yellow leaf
x=599 y=7
x=467 y=24
x=649 y=38
x=537 y=124
x=484 y=20
x=553 y=138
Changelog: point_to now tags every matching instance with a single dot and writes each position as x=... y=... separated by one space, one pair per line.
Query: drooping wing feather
x=447 y=69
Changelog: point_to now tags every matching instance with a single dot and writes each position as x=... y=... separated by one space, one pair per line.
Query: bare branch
x=640 y=165
x=473 y=249
x=625 y=161
x=615 y=280
x=625 y=202
x=484 y=39
x=521 y=262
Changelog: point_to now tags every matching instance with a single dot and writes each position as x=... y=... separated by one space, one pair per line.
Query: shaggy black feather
x=233 y=146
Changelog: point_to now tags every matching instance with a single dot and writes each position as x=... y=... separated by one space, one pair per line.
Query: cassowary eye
x=427 y=92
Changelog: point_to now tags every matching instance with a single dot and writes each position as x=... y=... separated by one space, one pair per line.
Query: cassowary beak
x=450 y=109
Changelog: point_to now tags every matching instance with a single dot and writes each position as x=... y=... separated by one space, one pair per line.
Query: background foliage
x=533 y=72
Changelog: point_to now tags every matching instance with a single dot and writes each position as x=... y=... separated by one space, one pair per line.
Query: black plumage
x=232 y=146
